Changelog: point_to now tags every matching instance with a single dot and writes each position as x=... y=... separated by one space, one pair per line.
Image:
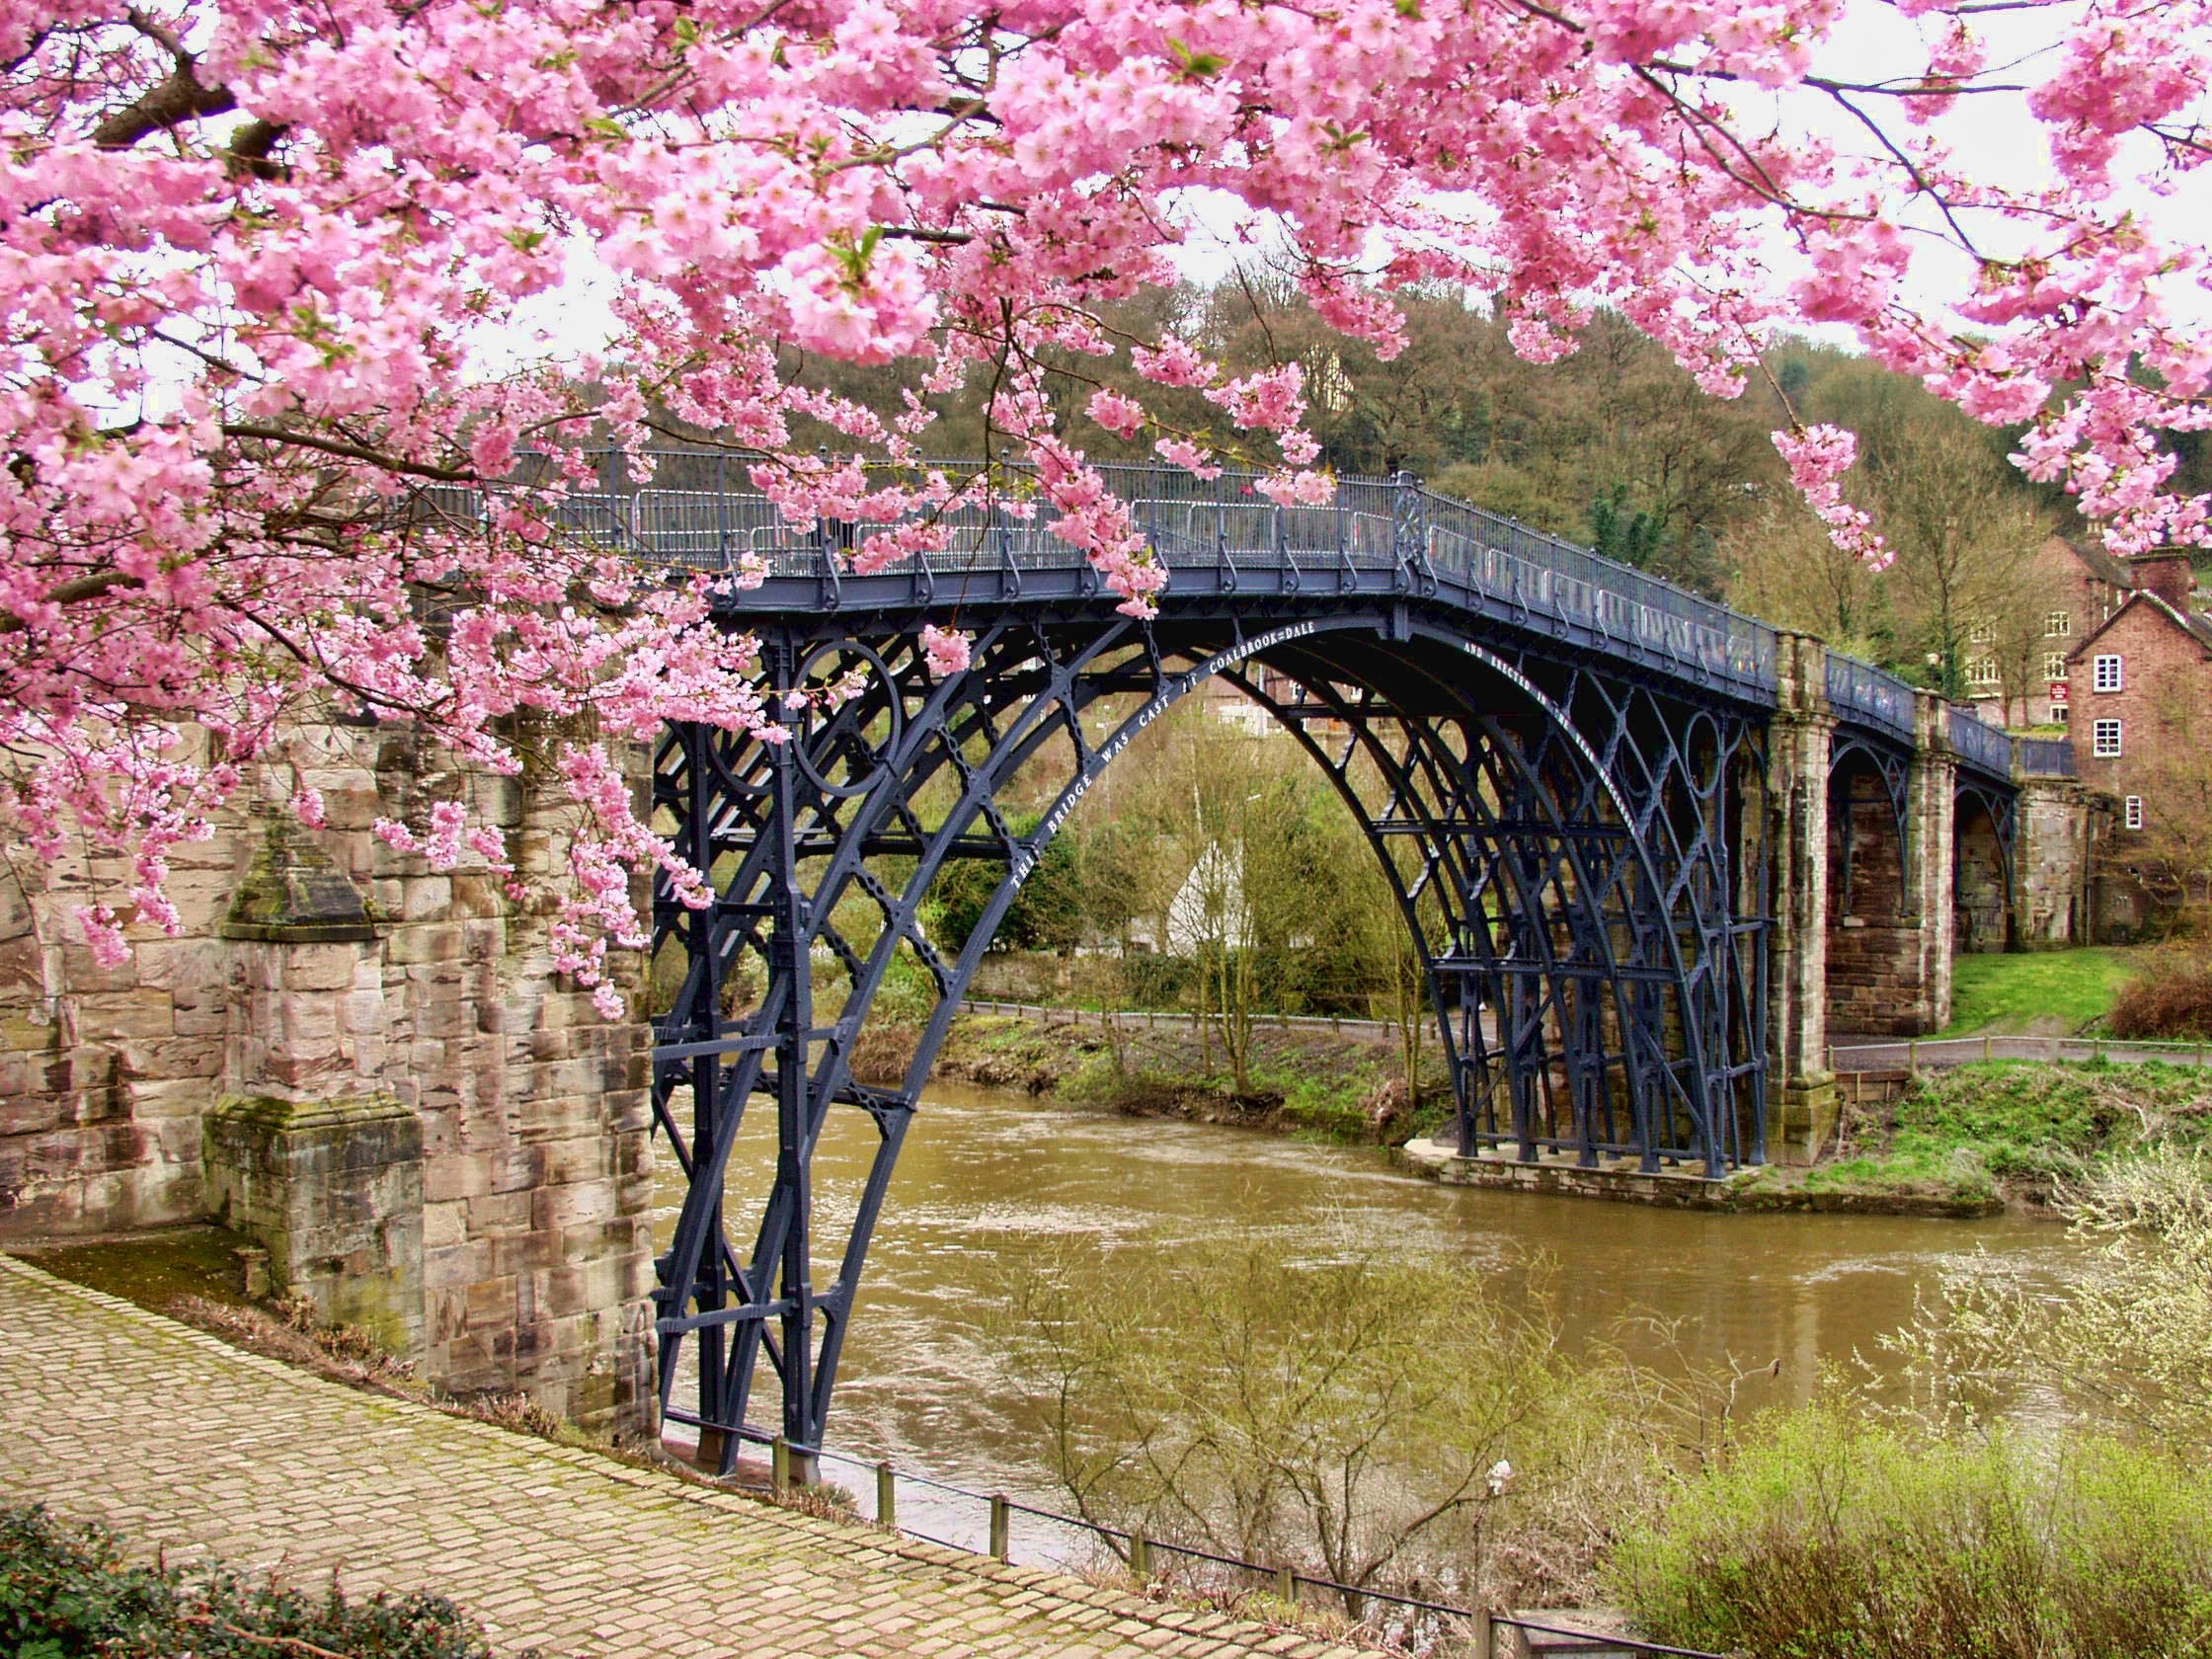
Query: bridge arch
x=1596 y=979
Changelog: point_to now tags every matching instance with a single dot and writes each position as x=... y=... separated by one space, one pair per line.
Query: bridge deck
x=1223 y=540
x=552 y=1546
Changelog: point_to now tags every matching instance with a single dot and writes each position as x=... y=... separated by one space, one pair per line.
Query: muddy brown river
x=985 y=1175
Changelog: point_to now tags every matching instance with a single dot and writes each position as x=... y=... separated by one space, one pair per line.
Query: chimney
x=2167 y=573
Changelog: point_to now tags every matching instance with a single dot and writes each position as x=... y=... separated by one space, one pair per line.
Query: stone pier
x=1803 y=1106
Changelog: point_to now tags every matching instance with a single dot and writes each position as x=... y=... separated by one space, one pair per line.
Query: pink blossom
x=1818 y=457
x=946 y=649
x=1118 y=414
x=275 y=449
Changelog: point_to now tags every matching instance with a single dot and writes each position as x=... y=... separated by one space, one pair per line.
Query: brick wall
x=536 y=1247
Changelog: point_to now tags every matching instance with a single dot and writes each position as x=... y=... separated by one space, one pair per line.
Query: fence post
x=1139 y=1557
x=1000 y=1527
x=1286 y=1586
x=2096 y=1050
x=1485 y=1635
x=1912 y=1056
x=1985 y=1047
x=779 y=1465
x=887 y=1497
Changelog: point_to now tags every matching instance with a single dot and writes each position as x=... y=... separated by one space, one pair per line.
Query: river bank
x=1341 y=1086
x=1974 y=1141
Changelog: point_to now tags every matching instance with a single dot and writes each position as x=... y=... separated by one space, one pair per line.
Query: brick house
x=2140 y=686
x=2083 y=587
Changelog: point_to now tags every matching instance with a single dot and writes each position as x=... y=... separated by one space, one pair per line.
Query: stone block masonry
x=330 y=1003
x=555 y=1548
x=334 y=1191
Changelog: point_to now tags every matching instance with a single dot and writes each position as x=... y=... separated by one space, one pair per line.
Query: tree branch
x=73 y=591
x=175 y=98
x=351 y=452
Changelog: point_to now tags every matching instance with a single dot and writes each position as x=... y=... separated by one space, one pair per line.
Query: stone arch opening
x=1982 y=874
x=1873 y=936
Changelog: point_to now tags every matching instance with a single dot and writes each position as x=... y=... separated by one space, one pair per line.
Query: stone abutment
x=363 y=1064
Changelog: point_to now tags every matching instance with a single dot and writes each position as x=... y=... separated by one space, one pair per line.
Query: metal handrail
x=1871 y=694
x=1983 y=745
x=2044 y=757
x=701 y=512
x=1142 y=1547
x=1920 y=1052
x=1628 y=1643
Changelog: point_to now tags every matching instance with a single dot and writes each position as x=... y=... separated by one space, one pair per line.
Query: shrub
x=2172 y=1002
x=1827 y=1537
x=1379 y=1421
x=65 y=1591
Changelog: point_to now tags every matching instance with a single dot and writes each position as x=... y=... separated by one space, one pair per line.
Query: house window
x=2105 y=740
x=2135 y=811
x=2054 y=665
x=1982 y=633
x=2058 y=623
x=2108 y=674
x=2059 y=713
x=1982 y=670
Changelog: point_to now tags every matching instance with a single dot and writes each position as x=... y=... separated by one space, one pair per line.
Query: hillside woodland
x=1615 y=446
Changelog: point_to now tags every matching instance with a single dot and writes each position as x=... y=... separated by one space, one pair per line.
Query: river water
x=986 y=1174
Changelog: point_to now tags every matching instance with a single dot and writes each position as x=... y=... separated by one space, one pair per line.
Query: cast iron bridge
x=1559 y=762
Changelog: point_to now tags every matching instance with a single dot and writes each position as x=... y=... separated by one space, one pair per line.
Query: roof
x=2198 y=628
x=2099 y=563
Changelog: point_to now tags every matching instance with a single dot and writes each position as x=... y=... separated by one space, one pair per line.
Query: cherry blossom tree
x=275 y=275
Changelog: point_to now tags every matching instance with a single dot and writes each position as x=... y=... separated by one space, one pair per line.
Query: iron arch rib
x=1583 y=965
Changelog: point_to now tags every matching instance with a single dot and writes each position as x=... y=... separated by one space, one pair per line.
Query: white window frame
x=1983 y=671
x=2061 y=714
x=2106 y=738
x=2110 y=672
x=1982 y=633
x=2058 y=624
x=2054 y=665
x=2135 y=811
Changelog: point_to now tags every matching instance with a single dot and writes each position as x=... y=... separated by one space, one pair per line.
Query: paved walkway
x=110 y=1413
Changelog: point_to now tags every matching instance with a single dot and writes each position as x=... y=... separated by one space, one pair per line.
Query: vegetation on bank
x=2171 y=1000
x=1830 y=1535
x=2056 y=994
x=1930 y=1526
x=2004 y=1130
x=67 y=1591
x=1386 y=1420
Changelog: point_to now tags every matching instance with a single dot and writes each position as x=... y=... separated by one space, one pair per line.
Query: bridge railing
x=701 y=512
x=1981 y=744
x=1552 y=578
x=2043 y=757
x=1873 y=696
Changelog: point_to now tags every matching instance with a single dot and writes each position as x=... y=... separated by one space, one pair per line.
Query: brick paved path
x=110 y=1413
